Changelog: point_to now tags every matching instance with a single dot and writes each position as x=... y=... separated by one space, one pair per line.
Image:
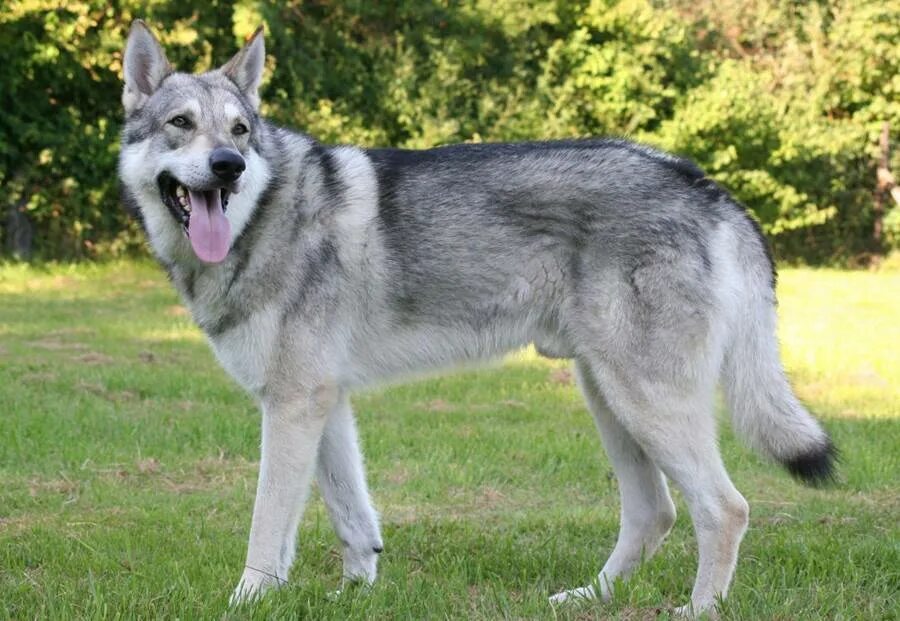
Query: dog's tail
x=765 y=411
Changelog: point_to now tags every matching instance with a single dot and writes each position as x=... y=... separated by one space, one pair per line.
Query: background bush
x=780 y=100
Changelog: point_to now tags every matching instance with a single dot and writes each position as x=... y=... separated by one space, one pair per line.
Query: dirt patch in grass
x=887 y=499
x=513 y=403
x=483 y=504
x=562 y=376
x=72 y=330
x=177 y=311
x=202 y=475
x=38 y=487
x=209 y=474
x=147 y=357
x=116 y=396
x=399 y=475
x=148 y=466
x=16 y=524
x=149 y=472
x=38 y=377
x=52 y=343
x=489 y=498
x=436 y=405
x=63 y=282
x=93 y=358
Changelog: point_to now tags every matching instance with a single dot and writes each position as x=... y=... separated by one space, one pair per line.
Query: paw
x=581 y=594
x=252 y=586
x=361 y=563
x=691 y=611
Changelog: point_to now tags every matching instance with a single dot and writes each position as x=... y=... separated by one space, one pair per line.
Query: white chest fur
x=246 y=351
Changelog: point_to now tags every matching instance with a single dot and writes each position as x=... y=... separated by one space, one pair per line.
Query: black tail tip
x=815 y=467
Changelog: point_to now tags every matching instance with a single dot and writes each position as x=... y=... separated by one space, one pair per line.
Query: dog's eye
x=239 y=130
x=180 y=121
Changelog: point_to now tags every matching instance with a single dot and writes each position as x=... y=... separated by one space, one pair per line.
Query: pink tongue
x=208 y=229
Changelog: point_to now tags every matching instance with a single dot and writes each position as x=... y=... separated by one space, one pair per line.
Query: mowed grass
x=128 y=463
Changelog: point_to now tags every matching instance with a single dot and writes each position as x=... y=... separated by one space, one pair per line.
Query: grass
x=128 y=463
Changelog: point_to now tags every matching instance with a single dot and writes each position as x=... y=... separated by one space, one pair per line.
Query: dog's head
x=190 y=162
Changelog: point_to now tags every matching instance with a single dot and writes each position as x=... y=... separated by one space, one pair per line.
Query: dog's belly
x=426 y=348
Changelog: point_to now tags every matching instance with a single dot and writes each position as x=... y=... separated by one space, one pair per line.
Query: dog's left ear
x=246 y=67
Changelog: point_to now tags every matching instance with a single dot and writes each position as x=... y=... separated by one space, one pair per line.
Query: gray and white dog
x=315 y=270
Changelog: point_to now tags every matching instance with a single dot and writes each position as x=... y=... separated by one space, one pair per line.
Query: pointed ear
x=246 y=67
x=145 y=66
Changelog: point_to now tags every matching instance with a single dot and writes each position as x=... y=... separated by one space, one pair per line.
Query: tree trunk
x=19 y=231
x=883 y=183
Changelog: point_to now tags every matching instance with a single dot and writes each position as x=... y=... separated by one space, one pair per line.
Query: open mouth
x=201 y=214
x=177 y=198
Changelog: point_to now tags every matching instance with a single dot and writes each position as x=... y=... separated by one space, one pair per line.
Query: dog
x=317 y=270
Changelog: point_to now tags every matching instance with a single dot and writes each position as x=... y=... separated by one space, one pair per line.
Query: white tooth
x=179 y=190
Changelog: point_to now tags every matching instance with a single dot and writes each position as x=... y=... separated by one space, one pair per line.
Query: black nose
x=227 y=164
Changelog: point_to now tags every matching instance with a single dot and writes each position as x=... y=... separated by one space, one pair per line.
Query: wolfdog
x=315 y=270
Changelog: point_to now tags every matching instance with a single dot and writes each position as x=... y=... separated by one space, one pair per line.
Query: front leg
x=291 y=429
x=342 y=482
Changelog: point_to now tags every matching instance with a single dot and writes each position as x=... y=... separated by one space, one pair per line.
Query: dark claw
x=377 y=549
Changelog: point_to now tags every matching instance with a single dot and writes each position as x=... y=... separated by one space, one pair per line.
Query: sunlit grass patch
x=840 y=336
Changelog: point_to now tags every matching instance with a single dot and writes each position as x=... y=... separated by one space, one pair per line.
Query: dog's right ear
x=145 y=66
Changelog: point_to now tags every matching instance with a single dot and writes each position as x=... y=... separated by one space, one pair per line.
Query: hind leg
x=673 y=422
x=647 y=512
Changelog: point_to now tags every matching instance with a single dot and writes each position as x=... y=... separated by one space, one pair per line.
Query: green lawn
x=128 y=463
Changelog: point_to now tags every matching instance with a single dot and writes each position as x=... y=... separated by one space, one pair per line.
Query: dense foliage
x=780 y=100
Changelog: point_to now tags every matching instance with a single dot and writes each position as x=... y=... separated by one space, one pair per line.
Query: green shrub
x=778 y=100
